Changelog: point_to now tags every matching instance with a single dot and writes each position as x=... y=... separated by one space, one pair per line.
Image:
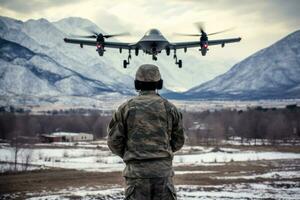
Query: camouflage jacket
x=144 y=132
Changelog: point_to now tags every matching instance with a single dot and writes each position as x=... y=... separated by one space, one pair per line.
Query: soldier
x=145 y=132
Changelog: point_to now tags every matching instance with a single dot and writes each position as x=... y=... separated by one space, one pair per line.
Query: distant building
x=66 y=137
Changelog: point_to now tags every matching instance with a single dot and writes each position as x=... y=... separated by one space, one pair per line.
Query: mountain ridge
x=269 y=73
x=22 y=57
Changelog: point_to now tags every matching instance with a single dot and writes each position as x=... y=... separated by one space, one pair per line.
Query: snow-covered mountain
x=24 y=72
x=273 y=72
x=41 y=36
x=35 y=63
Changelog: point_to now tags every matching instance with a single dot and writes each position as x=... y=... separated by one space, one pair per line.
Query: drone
x=152 y=43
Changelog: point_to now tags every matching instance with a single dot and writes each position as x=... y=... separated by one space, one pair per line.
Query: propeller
x=223 y=31
x=116 y=35
x=201 y=28
x=95 y=34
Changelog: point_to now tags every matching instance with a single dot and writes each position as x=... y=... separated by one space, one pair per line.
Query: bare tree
x=16 y=145
x=277 y=129
x=218 y=131
x=27 y=157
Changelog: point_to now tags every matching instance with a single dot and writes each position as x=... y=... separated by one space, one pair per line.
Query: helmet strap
x=142 y=85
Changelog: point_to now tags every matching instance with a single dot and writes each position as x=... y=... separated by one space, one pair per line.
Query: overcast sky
x=259 y=22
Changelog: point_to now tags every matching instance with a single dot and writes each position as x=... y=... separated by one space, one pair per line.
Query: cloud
x=275 y=11
x=104 y=19
x=260 y=23
x=33 y=5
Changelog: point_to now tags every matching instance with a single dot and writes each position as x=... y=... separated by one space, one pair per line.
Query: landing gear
x=136 y=51
x=127 y=62
x=177 y=62
x=154 y=57
x=168 y=51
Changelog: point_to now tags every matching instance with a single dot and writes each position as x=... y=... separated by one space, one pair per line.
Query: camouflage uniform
x=144 y=132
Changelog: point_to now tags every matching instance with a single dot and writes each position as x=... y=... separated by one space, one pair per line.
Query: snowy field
x=100 y=159
x=266 y=190
x=200 y=172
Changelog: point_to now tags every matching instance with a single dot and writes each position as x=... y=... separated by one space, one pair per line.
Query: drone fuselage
x=153 y=42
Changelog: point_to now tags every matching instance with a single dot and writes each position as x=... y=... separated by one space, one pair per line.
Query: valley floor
x=234 y=172
x=272 y=179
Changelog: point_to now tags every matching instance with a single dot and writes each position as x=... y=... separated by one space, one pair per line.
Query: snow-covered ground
x=101 y=159
x=266 y=190
x=208 y=168
x=5 y=167
x=275 y=174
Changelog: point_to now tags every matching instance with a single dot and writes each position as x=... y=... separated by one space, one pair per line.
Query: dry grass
x=55 y=179
x=233 y=169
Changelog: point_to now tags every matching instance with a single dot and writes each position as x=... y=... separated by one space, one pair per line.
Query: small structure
x=66 y=137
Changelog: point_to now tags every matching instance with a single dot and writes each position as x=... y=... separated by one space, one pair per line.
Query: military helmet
x=148 y=78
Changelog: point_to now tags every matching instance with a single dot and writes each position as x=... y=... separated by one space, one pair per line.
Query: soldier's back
x=148 y=151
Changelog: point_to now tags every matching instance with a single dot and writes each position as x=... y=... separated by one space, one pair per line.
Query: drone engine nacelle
x=100 y=49
x=168 y=51
x=204 y=48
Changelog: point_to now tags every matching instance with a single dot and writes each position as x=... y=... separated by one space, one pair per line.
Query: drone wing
x=182 y=45
x=115 y=45
x=223 y=41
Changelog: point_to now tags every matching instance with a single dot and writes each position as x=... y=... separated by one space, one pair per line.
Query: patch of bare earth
x=58 y=179
x=235 y=169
